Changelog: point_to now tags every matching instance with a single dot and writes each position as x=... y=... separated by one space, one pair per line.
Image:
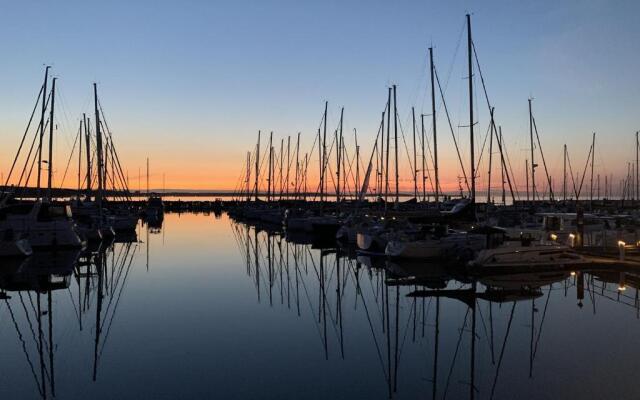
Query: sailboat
x=43 y=223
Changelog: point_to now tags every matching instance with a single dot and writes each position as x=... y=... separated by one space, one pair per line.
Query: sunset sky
x=189 y=84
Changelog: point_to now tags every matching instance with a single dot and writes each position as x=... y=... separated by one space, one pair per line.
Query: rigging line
x=73 y=149
x=31 y=148
x=484 y=143
x=446 y=109
x=544 y=162
x=455 y=56
x=506 y=156
x=406 y=148
x=484 y=87
x=33 y=162
x=24 y=136
x=26 y=161
x=584 y=171
x=426 y=140
x=103 y=122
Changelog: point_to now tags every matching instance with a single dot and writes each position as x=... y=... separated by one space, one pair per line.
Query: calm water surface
x=209 y=308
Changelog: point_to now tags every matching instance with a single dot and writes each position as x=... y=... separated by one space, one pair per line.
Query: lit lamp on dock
x=572 y=240
x=621 y=248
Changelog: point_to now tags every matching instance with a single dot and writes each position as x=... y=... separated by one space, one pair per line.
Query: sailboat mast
x=637 y=167
x=593 y=156
x=564 y=175
x=98 y=148
x=51 y=124
x=433 y=122
x=281 y=165
x=324 y=152
x=147 y=176
x=386 y=167
x=80 y=133
x=338 y=156
x=526 y=173
x=472 y=150
x=492 y=127
x=42 y=123
x=424 y=160
x=257 y=166
x=395 y=135
x=415 y=159
x=355 y=135
x=297 y=165
x=533 y=164
x=381 y=176
x=288 y=165
x=270 y=177
x=502 y=168
x=87 y=133
x=248 y=183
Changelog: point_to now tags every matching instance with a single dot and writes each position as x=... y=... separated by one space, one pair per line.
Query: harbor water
x=205 y=307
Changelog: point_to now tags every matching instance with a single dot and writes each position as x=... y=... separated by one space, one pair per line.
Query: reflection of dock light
x=621 y=248
x=622 y=288
x=554 y=237
x=573 y=273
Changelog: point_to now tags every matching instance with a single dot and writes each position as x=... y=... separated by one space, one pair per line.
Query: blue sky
x=189 y=83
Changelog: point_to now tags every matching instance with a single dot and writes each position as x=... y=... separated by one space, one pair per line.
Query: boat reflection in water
x=401 y=304
x=34 y=288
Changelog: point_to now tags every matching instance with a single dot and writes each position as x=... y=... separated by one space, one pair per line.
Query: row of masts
x=386 y=183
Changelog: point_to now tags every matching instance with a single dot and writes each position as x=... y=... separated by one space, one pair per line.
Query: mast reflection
x=403 y=305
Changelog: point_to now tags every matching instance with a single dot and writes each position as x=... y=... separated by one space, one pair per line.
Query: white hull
x=528 y=256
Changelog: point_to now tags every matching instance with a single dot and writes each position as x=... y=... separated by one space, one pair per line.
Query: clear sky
x=189 y=83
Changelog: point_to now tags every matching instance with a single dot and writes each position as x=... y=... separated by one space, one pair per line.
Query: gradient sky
x=190 y=83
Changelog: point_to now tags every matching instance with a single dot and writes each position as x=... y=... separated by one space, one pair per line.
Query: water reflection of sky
x=195 y=324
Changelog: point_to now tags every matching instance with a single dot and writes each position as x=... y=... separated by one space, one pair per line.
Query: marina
x=360 y=201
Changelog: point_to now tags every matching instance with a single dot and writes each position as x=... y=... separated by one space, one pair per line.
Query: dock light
x=573 y=273
x=554 y=237
x=382 y=218
x=622 y=288
x=638 y=243
x=621 y=243
x=572 y=236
